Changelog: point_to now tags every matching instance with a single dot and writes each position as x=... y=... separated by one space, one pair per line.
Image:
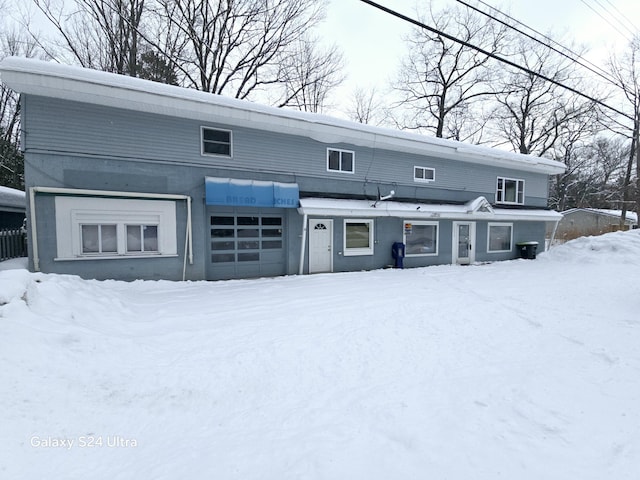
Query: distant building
x=581 y=222
x=128 y=178
x=12 y=207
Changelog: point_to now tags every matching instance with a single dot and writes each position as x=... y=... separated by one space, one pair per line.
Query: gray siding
x=70 y=128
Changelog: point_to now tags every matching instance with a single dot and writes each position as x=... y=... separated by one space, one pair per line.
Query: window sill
x=114 y=257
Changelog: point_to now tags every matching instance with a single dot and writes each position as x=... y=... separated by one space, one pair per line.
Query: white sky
x=372 y=40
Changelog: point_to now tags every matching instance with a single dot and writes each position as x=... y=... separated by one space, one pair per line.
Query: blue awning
x=251 y=193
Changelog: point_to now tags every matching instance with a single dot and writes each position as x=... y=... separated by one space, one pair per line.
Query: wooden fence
x=13 y=243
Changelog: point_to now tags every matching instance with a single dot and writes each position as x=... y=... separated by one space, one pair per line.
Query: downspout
x=303 y=245
x=105 y=193
x=553 y=233
x=188 y=246
x=34 y=229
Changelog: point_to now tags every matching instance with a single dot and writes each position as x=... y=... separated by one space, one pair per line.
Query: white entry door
x=320 y=245
x=464 y=242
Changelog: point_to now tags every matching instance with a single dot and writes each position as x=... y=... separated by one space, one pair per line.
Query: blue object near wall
x=251 y=193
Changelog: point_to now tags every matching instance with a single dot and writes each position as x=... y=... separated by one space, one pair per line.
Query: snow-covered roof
x=630 y=216
x=474 y=209
x=10 y=197
x=48 y=79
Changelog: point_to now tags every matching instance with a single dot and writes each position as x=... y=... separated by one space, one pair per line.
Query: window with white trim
x=424 y=174
x=499 y=237
x=420 y=238
x=88 y=227
x=358 y=237
x=341 y=160
x=216 y=141
x=510 y=191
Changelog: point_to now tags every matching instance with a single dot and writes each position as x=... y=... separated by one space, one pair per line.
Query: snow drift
x=521 y=369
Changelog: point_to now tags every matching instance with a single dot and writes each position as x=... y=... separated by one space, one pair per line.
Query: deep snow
x=516 y=370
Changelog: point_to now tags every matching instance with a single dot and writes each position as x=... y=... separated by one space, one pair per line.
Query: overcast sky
x=372 y=40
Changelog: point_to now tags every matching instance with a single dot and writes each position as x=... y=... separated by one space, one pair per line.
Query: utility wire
x=552 y=41
x=492 y=55
x=605 y=19
x=548 y=45
x=622 y=19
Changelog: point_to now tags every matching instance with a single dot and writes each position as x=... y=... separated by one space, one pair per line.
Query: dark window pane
x=347 y=162
x=418 y=173
x=223 y=245
x=217 y=148
x=248 y=257
x=271 y=232
x=222 y=220
x=251 y=245
x=248 y=233
x=220 y=136
x=248 y=220
x=334 y=160
x=271 y=220
x=221 y=232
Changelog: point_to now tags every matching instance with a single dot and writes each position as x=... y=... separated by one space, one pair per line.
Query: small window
x=510 y=191
x=424 y=174
x=420 y=238
x=358 y=237
x=99 y=239
x=216 y=142
x=142 y=238
x=500 y=237
x=340 y=160
x=114 y=228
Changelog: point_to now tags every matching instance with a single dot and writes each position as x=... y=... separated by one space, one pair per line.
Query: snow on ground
x=516 y=370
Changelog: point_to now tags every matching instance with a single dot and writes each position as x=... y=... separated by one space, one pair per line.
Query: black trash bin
x=528 y=250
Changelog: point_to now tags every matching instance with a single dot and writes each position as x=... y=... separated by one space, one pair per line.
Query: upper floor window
x=424 y=174
x=510 y=191
x=340 y=160
x=216 y=141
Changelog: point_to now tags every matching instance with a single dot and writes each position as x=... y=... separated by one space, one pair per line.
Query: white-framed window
x=89 y=227
x=424 y=174
x=420 y=238
x=499 y=237
x=341 y=160
x=216 y=141
x=358 y=237
x=510 y=191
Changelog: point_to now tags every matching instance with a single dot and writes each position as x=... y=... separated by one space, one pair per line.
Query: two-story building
x=128 y=178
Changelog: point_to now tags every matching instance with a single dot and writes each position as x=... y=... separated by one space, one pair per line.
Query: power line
x=492 y=55
x=601 y=73
x=621 y=17
x=603 y=17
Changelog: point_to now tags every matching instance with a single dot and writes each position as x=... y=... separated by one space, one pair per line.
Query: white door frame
x=472 y=243
x=312 y=224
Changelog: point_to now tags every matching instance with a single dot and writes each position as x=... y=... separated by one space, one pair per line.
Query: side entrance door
x=320 y=245
x=464 y=242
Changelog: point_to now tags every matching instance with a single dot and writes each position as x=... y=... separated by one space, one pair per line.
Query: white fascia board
x=365 y=208
x=48 y=79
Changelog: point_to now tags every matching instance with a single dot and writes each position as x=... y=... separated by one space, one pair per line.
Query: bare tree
x=101 y=34
x=13 y=42
x=441 y=82
x=233 y=47
x=308 y=74
x=366 y=107
x=531 y=109
x=626 y=70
